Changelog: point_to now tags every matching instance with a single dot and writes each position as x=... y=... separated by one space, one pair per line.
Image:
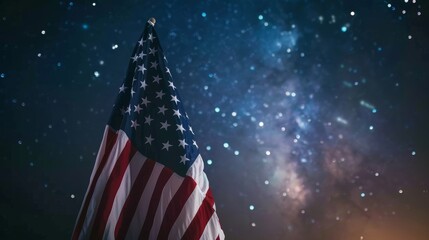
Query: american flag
x=148 y=180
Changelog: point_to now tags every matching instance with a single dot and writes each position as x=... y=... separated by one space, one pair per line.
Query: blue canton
x=150 y=111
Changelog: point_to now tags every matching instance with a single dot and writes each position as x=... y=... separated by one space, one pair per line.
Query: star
x=122 y=111
x=141 y=42
x=166 y=145
x=190 y=129
x=180 y=128
x=152 y=51
x=137 y=108
x=177 y=113
x=157 y=79
x=168 y=71
x=149 y=140
x=148 y=120
x=183 y=159
x=165 y=125
x=142 y=68
x=151 y=38
x=171 y=85
x=132 y=92
x=143 y=84
x=194 y=143
x=128 y=109
x=182 y=143
x=122 y=88
x=134 y=124
x=162 y=109
x=141 y=55
x=145 y=101
x=174 y=99
x=160 y=94
x=135 y=58
x=154 y=65
x=134 y=79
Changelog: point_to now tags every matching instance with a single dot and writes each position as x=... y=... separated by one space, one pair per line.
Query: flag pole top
x=152 y=21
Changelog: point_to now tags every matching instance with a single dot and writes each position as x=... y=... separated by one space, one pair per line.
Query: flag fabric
x=148 y=180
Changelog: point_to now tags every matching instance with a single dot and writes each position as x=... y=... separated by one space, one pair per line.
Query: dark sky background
x=311 y=116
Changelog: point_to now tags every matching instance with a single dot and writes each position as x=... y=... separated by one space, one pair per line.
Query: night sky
x=311 y=116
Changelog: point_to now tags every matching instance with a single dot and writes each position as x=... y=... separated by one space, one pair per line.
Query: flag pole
x=152 y=21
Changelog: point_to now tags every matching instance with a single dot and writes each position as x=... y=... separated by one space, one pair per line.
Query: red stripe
x=133 y=199
x=175 y=206
x=154 y=201
x=110 y=191
x=217 y=237
x=110 y=142
x=209 y=197
x=205 y=212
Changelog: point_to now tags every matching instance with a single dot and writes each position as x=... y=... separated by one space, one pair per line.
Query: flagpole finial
x=152 y=21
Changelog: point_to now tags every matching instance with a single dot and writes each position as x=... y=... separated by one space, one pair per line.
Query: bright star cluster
x=311 y=117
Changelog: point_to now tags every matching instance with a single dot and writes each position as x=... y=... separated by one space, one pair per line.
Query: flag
x=148 y=180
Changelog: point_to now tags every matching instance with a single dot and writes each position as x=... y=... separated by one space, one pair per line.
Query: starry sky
x=311 y=116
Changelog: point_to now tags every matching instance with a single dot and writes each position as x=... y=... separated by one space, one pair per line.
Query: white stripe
x=168 y=192
x=143 y=205
x=188 y=213
x=212 y=229
x=101 y=183
x=196 y=172
x=100 y=154
x=127 y=182
x=221 y=233
x=101 y=151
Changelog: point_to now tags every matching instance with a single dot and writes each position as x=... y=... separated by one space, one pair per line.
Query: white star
x=186 y=114
x=171 y=85
x=128 y=109
x=194 y=143
x=142 y=68
x=143 y=84
x=141 y=42
x=165 y=125
x=134 y=124
x=122 y=88
x=160 y=94
x=177 y=113
x=134 y=79
x=183 y=159
x=122 y=111
x=157 y=79
x=137 y=108
x=180 y=128
x=152 y=51
x=174 y=99
x=145 y=101
x=149 y=140
x=148 y=120
x=162 y=109
x=151 y=38
x=190 y=129
x=182 y=143
x=141 y=55
x=154 y=65
x=166 y=145
x=168 y=71
x=134 y=58
x=132 y=92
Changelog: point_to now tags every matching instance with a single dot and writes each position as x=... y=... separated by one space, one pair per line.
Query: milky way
x=311 y=116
